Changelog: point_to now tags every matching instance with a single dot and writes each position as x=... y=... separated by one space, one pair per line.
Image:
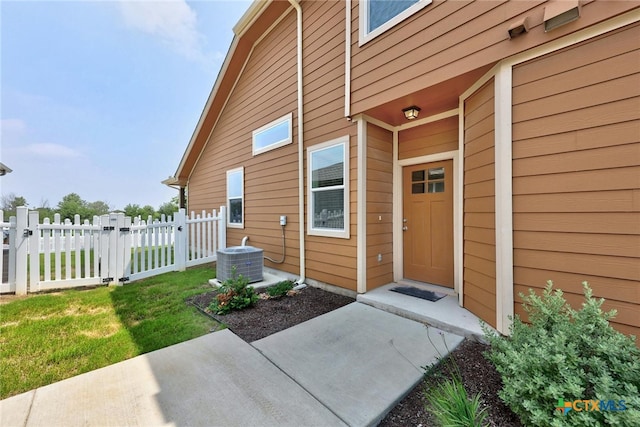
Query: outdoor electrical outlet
x=283 y=220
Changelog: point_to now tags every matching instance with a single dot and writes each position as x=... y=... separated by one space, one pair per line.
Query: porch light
x=411 y=112
x=559 y=13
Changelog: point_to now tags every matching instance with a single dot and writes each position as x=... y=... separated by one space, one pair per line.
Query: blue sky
x=100 y=98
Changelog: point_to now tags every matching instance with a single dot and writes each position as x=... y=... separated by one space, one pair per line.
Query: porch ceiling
x=431 y=100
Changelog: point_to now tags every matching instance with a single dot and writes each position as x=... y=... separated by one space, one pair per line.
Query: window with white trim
x=377 y=16
x=235 y=198
x=273 y=135
x=328 y=184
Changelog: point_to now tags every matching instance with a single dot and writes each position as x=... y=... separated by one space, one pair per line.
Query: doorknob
x=405 y=228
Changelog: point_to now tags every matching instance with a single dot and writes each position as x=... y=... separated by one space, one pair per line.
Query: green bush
x=280 y=289
x=234 y=294
x=565 y=355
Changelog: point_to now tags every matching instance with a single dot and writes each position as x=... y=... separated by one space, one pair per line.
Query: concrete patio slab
x=214 y=380
x=357 y=360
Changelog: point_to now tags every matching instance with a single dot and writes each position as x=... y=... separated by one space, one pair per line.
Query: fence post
x=34 y=251
x=222 y=228
x=22 y=252
x=180 y=233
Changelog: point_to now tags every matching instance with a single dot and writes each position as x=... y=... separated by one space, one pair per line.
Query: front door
x=428 y=222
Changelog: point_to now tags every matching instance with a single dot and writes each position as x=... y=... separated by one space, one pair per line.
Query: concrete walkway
x=347 y=367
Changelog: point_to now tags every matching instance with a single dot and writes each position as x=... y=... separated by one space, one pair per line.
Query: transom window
x=273 y=135
x=328 y=166
x=235 y=198
x=377 y=16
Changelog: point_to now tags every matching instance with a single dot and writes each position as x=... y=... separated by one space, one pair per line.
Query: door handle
x=405 y=228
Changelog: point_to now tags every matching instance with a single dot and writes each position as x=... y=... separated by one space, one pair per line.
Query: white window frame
x=366 y=36
x=229 y=223
x=287 y=118
x=345 y=232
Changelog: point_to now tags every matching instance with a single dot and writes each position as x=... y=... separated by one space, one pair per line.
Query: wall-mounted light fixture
x=411 y=112
x=560 y=12
x=519 y=27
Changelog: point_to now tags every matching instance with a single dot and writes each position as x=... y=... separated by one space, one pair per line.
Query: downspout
x=298 y=9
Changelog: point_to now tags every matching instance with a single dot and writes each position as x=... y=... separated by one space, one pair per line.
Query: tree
x=134 y=210
x=10 y=202
x=97 y=208
x=169 y=208
x=45 y=211
x=72 y=204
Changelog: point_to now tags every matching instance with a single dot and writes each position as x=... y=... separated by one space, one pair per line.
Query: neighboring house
x=523 y=164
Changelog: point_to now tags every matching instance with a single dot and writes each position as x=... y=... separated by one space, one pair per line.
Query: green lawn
x=50 y=337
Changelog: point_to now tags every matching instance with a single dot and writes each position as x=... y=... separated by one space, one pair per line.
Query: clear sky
x=100 y=98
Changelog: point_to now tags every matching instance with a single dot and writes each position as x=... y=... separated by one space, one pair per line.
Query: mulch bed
x=273 y=315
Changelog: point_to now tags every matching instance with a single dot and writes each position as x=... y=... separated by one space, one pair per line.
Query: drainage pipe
x=298 y=9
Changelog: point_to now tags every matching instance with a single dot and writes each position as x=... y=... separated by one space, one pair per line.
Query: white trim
x=366 y=36
x=374 y=121
x=345 y=232
x=458 y=219
x=398 y=260
x=235 y=224
x=398 y=265
x=503 y=197
x=287 y=118
x=361 y=244
x=347 y=59
x=430 y=119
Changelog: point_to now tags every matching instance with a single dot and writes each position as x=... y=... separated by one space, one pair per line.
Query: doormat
x=419 y=293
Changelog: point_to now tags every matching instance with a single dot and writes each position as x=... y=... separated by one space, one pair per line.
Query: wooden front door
x=428 y=222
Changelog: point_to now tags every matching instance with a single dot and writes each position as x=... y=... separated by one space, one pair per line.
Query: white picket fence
x=112 y=249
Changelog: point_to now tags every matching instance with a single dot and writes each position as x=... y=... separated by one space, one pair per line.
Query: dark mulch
x=273 y=315
x=267 y=317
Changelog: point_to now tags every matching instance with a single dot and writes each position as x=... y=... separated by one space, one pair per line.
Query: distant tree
x=97 y=208
x=10 y=202
x=45 y=210
x=72 y=204
x=169 y=208
x=134 y=210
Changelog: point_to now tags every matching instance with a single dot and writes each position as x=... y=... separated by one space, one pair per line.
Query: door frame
x=398 y=253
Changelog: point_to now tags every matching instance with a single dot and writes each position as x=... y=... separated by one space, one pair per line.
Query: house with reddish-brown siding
x=522 y=165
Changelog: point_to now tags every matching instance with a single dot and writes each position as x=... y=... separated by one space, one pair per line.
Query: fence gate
x=112 y=249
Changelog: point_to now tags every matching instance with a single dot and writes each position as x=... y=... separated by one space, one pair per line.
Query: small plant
x=449 y=401
x=565 y=355
x=280 y=289
x=234 y=294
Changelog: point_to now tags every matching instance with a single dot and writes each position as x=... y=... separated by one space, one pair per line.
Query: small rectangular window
x=377 y=16
x=235 y=198
x=273 y=135
x=328 y=171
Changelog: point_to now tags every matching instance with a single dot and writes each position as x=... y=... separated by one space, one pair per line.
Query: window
x=377 y=16
x=273 y=135
x=431 y=182
x=328 y=171
x=235 y=198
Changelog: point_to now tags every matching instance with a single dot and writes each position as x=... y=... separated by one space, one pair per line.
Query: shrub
x=567 y=355
x=234 y=294
x=280 y=289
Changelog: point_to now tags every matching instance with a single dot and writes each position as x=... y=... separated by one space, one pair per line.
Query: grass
x=50 y=337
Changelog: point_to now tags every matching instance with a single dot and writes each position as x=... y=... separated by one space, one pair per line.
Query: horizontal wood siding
x=432 y=138
x=329 y=260
x=267 y=88
x=479 y=273
x=379 y=206
x=576 y=173
x=450 y=38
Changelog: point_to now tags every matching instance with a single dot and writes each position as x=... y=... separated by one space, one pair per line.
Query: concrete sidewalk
x=347 y=367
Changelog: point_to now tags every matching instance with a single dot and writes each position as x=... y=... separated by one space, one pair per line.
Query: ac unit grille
x=248 y=261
